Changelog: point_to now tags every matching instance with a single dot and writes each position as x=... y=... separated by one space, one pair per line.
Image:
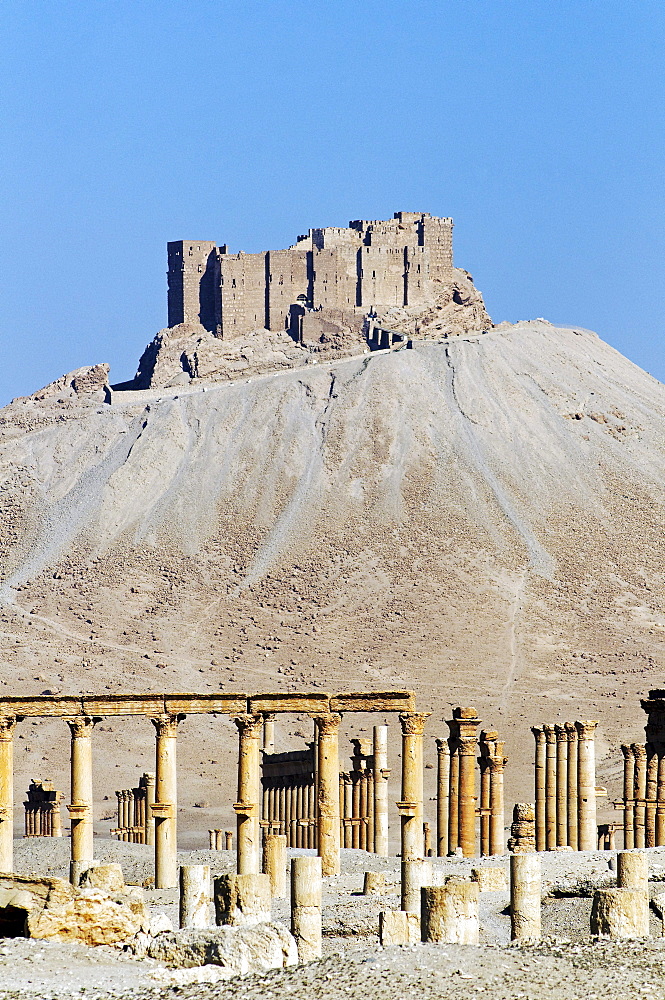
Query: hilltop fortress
x=336 y=291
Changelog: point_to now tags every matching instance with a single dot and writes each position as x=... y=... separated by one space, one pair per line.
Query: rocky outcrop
x=52 y=909
x=240 y=950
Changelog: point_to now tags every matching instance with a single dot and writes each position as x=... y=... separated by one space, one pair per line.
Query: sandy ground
x=567 y=964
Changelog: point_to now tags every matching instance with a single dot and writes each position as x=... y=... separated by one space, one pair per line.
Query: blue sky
x=538 y=127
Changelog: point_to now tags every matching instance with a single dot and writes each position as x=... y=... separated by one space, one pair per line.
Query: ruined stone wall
x=193 y=281
x=242 y=293
x=379 y=263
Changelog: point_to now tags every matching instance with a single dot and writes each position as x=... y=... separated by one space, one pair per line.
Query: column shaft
x=165 y=808
x=586 y=786
x=651 y=789
x=442 y=797
x=497 y=821
x=467 y=795
x=7 y=727
x=484 y=805
x=628 y=795
x=381 y=791
x=550 y=788
x=539 y=782
x=80 y=809
x=640 y=793
x=453 y=798
x=572 y=785
x=561 y=786
x=411 y=805
x=660 y=802
x=248 y=859
x=328 y=819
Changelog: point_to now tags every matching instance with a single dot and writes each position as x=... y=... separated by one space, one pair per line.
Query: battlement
x=370 y=264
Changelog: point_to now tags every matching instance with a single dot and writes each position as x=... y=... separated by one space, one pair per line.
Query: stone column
x=149 y=802
x=381 y=773
x=450 y=913
x=561 y=786
x=453 y=798
x=411 y=805
x=242 y=900
x=228 y=840
x=539 y=780
x=80 y=809
x=306 y=888
x=274 y=863
x=660 y=802
x=269 y=732
x=628 y=795
x=56 y=818
x=328 y=791
x=248 y=861
x=165 y=808
x=415 y=874
x=550 y=787
x=651 y=789
x=497 y=818
x=467 y=795
x=620 y=913
x=525 y=897
x=572 y=784
x=586 y=786
x=633 y=871
x=442 y=796
x=7 y=727
x=195 y=896
x=483 y=764
x=639 y=794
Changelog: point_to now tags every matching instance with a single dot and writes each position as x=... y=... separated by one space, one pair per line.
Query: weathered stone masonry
x=372 y=263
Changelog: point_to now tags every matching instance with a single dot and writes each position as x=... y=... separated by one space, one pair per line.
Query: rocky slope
x=480 y=519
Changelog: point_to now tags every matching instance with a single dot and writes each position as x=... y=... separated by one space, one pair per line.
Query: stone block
x=375 y=884
x=398 y=927
x=241 y=950
x=242 y=899
x=108 y=878
x=490 y=879
x=620 y=913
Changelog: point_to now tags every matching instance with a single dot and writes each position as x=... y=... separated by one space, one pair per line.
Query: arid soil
x=567 y=964
x=478 y=519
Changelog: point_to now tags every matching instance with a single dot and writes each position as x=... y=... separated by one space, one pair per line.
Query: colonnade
x=456 y=788
x=42 y=810
x=249 y=714
x=135 y=812
x=644 y=780
x=565 y=786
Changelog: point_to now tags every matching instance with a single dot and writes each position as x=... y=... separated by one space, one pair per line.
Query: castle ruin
x=370 y=265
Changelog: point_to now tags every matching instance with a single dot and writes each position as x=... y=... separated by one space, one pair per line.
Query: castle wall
x=336 y=278
x=289 y=275
x=193 y=279
x=242 y=293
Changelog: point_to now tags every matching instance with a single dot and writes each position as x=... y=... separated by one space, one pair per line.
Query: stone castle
x=334 y=293
x=398 y=262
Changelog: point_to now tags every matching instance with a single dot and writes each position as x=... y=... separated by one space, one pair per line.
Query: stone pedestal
x=7 y=727
x=165 y=808
x=442 y=796
x=525 y=890
x=195 y=896
x=620 y=913
x=328 y=818
x=306 y=890
x=241 y=900
x=247 y=806
x=80 y=809
x=586 y=786
x=449 y=913
x=381 y=774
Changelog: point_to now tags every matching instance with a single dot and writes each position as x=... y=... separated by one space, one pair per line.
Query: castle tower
x=193 y=284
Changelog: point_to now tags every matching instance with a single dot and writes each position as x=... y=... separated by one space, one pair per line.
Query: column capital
x=81 y=726
x=167 y=725
x=268 y=716
x=561 y=733
x=550 y=733
x=496 y=764
x=639 y=751
x=7 y=727
x=571 y=730
x=586 y=728
x=539 y=734
x=467 y=746
x=442 y=748
x=413 y=723
x=249 y=726
x=328 y=723
x=628 y=751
